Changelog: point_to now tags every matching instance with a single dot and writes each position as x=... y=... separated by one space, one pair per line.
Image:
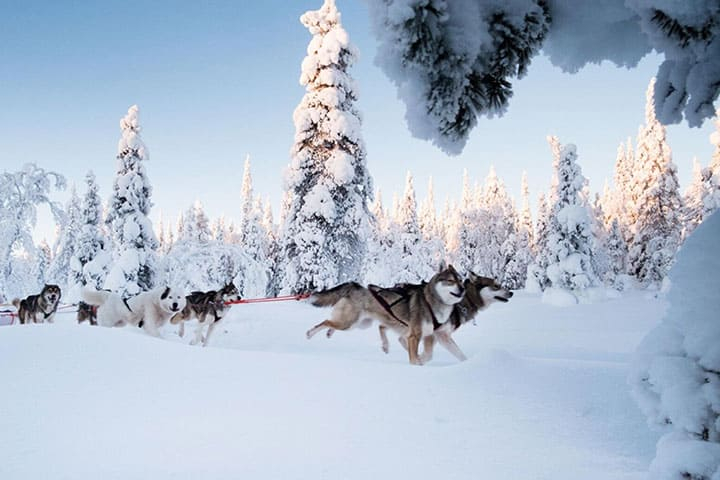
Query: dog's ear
x=472 y=276
x=165 y=293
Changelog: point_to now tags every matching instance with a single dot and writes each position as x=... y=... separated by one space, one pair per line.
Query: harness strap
x=436 y=324
x=127 y=305
x=375 y=291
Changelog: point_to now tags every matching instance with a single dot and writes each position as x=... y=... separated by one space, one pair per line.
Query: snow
x=543 y=395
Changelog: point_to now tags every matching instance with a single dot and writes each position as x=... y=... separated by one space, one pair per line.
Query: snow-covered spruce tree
x=253 y=239
x=464 y=230
x=327 y=221
x=516 y=270
x=59 y=270
x=379 y=265
x=415 y=262
x=497 y=242
x=537 y=269
x=42 y=263
x=703 y=199
x=657 y=230
x=617 y=251
x=453 y=61
x=134 y=242
x=20 y=194
x=570 y=239
x=675 y=376
x=91 y=260
x=430 y=228
x=693 y=210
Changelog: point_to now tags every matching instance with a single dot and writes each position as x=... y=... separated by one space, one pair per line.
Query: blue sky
x=218 y=80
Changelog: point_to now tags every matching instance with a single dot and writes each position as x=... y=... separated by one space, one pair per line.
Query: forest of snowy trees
x=574 y=242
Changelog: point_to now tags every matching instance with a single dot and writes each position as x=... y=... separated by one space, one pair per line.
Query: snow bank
x=675 y=377
x=542 y=396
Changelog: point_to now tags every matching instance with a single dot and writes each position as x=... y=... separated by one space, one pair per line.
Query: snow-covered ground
x=542 y=396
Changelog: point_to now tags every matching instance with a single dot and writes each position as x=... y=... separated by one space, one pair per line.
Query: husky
x=39 y=308
x=149 y=310
x=209 y=308
x=480 y=293
x=86 y=312
x=412 y=311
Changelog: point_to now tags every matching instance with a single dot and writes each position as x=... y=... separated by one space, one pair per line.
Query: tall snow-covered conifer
x=328 y=182
x=414 y=259
x=657 y=230
x=570 y=240
x=134 y=266
x=90 y=262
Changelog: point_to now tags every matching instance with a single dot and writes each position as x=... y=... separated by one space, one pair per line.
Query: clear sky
x=218 y=80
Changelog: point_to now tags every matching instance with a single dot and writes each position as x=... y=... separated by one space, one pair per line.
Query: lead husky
x=480 y=292
x=209 y=308
x=39 y=308
x=149 y=310
x=412 y=312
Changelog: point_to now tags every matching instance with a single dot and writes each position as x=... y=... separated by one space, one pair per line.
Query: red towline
x=282 y=298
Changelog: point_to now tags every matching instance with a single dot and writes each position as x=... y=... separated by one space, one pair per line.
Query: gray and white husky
x=209 y=308
x=480 y=293
x=413 y=311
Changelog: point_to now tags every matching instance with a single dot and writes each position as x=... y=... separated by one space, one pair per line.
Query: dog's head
x=483 y=290
x=230 y=293
x=448 y=285
x=172 y=300
x=51 y=294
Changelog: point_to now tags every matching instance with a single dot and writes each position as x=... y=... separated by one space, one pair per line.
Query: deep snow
x=542 y=396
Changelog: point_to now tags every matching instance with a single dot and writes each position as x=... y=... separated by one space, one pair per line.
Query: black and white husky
x=39 y=308
x=208 y=308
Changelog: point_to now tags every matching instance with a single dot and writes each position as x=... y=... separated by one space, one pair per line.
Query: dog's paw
x=329 y=333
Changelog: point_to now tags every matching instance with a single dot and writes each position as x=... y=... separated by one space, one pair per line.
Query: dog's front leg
x=198 y=334
x=209 y=331
x=428 y=344
x=413 y=342
x=383 y=338
x=150 y=326
x=181 y=329
x=446 y=341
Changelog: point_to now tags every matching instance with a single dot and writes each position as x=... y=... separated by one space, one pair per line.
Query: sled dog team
x=149 y=310
x=422 y=313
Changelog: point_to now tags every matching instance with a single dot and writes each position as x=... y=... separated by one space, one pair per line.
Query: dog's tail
x=327 y=298
x=94 y=297
x=16 y=303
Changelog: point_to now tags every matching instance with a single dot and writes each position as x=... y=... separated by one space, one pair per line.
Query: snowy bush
x=675 y=376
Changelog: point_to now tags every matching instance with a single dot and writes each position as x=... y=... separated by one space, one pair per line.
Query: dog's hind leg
x=329 y=324
x=452 y=347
